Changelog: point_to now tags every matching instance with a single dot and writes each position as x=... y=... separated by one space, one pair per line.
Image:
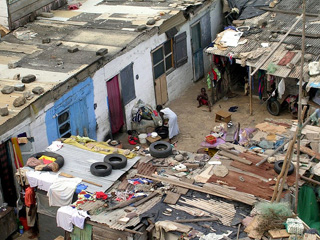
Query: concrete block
x=46 y=14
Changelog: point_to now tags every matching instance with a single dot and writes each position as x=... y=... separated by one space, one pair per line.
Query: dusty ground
x=195 y=123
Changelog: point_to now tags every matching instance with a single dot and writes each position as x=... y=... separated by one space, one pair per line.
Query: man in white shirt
x=167 y=113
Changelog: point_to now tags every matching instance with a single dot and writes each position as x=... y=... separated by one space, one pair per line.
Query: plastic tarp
x=249 y=8
x=308 y=207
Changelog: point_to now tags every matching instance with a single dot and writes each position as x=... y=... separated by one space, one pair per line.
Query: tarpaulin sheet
x=249 y=8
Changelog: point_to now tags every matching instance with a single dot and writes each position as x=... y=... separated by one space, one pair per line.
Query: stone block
x=73 y=49
x=13 y=65
x=19 y=87
x=29 y=78
x=7 y=89
x=16 y=76
x=28 y=95
x=38 y=90
x=19 y=101
x=46 y=14
x=4 y=111
x=151 y=21
x=102 y=51
x=141 y=28
x=46 y=40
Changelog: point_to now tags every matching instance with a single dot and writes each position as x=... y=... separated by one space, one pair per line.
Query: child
x=203 y=99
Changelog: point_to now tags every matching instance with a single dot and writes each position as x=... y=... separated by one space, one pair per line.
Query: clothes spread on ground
x=83 y=197
x=173 y=122
x=68 y=216
x=42 y=180
x=61 y=191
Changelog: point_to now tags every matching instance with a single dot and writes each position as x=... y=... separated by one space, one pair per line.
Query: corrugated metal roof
x=77 y=162
x=280 y=24
x=111 y=218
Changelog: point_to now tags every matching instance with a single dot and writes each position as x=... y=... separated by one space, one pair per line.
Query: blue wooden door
x=79 y=118
x=197 y=52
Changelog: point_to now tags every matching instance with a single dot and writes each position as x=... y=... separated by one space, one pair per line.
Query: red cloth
x=204 y=102
x=30 y=197
x=101 y=195
x=114 y=105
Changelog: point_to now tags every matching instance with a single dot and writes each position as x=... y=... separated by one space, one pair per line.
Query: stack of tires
x=111 y=161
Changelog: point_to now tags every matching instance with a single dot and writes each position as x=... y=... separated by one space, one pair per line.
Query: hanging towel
x=281 y=88
x=61 y=191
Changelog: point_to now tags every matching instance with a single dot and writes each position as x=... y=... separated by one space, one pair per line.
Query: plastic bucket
x=142 y=138
x=24 y=223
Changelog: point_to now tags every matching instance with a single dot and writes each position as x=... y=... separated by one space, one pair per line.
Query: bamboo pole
x=285 y=167
x=277 y=46
x=300 y=117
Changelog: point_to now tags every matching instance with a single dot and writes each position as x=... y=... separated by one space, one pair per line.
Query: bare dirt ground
x=195 y=123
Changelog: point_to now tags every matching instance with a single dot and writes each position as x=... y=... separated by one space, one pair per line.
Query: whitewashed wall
x=177 y=81
x=4 y=13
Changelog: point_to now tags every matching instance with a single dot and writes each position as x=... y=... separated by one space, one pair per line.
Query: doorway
x=197 y=53
x=115 y=107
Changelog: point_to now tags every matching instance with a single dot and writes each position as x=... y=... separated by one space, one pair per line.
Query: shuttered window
x=180 y=49
x=128 y=91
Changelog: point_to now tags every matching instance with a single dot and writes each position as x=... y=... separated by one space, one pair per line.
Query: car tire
x=273 y=107
x=278 y=166
x=100 y=169
x=117 y=161
x=58 y=157
x=160 y=149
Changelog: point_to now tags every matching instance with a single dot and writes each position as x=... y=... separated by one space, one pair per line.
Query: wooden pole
x=250 y=89
x=300 y=117
x=277 y=46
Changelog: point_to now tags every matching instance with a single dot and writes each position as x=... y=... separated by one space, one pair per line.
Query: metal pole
x=300 y=118
x=278 y=44
x=250 y=88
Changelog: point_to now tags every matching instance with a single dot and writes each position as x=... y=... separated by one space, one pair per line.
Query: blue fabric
x=80 y=187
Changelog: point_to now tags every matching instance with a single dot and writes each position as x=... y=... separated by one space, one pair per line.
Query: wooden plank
x=308 y=151
x=171 y=198
x=157 y=89
x=234 y=157
x=279 y=233
x=164 y=89
x=197 y=220
x=232 y=194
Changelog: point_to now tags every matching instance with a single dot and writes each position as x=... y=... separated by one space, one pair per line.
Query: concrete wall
x=4 y=13
x=177 y=81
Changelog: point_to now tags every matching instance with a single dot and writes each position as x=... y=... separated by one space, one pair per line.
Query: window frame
x=63 y=123
x=164 y=57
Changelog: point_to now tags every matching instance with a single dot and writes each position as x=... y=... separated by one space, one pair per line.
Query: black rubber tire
x=58 y=157
x=278 y=166
x=160 y=149
x=117 y=161
x=100 y=169
x=273 y=107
